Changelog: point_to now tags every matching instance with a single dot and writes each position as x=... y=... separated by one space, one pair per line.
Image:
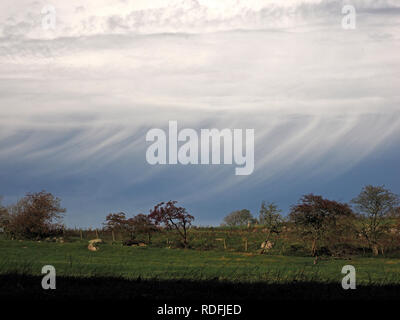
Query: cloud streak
x=77 y=102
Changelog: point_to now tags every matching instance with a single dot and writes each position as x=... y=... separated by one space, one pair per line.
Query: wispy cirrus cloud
x=76 y=102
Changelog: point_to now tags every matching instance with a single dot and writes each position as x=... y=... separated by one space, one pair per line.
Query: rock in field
x=93 y=244
x=267 y=245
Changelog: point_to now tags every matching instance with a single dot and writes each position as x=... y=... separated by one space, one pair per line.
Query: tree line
x=165 y=215
x=371 y=216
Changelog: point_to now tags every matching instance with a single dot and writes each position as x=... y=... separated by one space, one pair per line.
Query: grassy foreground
x=141 y=269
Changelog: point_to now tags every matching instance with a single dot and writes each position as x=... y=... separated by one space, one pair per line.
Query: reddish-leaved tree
x=139 y=224
x=142 y=224
x=172 y=217
x=116 y=222
x=36 y=216
x=316 y=217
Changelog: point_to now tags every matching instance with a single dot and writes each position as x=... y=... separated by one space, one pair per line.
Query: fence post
x=113 y=236
x=222 y=239
x=81 y=234
x=97 y=234
x=245 y=245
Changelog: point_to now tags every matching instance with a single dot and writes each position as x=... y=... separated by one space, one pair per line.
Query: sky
x=77 y=101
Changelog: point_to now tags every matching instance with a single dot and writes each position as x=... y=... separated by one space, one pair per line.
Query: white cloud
x=83 y=18
x=83 y=96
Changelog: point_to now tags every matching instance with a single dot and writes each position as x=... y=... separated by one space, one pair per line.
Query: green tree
x=270 y=217
x=374 y=204
x=238 y=218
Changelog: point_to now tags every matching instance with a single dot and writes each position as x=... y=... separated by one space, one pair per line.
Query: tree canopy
x=238 y=218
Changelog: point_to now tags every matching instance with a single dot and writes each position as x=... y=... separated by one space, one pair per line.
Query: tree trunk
x=314 y=247
x=375 y=249
x=265 y=241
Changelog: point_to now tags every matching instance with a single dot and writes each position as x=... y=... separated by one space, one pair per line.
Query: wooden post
x=113 y=236
x=81 y=234
x=97 y=234
x=222 y=239
x=245 y=245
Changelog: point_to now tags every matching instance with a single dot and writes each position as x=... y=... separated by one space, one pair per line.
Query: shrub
x=36 y=216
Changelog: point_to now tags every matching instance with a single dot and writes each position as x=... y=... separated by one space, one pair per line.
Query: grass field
x=120 y=272
x=74 y=259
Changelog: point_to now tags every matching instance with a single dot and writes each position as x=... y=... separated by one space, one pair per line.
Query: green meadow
x=73 y=259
